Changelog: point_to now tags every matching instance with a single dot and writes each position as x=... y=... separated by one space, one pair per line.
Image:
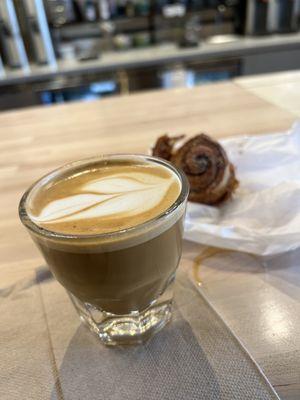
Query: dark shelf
x=79 y=30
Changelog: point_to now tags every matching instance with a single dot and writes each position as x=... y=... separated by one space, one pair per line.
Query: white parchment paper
x=263 y=217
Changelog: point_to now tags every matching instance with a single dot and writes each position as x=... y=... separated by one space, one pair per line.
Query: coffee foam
x=105 y=199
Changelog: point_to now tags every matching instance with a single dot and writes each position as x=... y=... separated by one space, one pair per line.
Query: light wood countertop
x=281 y=89
x=36 y=140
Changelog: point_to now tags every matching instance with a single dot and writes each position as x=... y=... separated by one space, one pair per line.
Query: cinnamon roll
x=205 y=162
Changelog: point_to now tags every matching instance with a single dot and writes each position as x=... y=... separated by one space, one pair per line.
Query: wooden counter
x=37 y=140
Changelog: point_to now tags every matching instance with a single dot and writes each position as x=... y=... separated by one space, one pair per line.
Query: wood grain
x=36 y=140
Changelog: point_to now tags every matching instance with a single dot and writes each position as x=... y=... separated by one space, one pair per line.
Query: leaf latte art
x=107 y=199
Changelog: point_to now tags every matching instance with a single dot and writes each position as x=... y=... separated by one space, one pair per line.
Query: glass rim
x=32 y=226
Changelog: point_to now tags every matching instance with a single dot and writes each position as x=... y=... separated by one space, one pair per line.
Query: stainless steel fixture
x=11 y=40
x=2 y=71
x=272 y=16
x=39 y=32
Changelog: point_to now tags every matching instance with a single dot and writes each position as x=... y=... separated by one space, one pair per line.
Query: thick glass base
x=133 y=328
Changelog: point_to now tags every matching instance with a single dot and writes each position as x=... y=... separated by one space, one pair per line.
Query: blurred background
x=55 y=51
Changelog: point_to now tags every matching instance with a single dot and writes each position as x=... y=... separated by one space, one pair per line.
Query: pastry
x=205 y=163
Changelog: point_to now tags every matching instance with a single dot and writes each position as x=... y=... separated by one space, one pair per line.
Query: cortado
x=110 y=230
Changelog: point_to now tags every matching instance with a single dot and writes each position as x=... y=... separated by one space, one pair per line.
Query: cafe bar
x=150 y=199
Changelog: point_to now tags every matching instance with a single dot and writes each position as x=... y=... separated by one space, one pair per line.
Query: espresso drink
x=105 y=198
x=110 y=230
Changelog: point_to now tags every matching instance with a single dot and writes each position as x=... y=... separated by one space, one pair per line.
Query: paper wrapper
x=263 y=217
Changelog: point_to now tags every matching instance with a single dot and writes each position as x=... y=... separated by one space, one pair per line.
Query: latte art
x=130 y=194
x=106 y=199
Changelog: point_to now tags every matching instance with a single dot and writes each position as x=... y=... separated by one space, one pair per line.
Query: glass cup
x=121 y=283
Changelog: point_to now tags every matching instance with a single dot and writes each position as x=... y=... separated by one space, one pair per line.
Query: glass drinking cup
x=121 y=283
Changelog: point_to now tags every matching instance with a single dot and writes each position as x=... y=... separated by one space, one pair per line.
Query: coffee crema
x=104 y=197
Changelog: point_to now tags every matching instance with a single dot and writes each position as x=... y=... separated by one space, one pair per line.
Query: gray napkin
x=47 y=354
